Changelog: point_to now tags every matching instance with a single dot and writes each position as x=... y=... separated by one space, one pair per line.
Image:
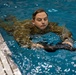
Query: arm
x=66 y=37
x=7 y=26
x=22 y=33
x=60 y=30
x=7 y=23
x=22 y=37
x=64 y=33
x=20 y=30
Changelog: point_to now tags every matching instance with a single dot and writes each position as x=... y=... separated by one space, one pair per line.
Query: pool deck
x=7 y=65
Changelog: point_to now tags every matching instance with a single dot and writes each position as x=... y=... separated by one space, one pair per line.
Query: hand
x=68 y=41
x=36 y=45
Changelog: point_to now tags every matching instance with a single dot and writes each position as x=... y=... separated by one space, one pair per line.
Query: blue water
x=40 y=62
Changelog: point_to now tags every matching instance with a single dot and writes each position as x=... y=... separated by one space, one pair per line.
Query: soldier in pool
x=21 y=30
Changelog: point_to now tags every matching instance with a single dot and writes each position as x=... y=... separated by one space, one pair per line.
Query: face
x=41 y=20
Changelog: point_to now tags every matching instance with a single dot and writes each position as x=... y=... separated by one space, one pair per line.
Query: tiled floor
x=7 y=65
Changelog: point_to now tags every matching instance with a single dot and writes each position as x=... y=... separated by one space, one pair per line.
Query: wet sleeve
x=65 y=34
x=22 y=36
x=22 y=33
x=7 y=23
x=61 y=30
x=6 y=26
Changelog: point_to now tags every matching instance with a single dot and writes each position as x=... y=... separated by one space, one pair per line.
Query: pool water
x=40 y=62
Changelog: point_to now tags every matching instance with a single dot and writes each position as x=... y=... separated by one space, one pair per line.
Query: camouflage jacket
x=21 y=30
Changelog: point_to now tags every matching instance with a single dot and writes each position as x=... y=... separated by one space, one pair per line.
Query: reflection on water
x=40 y=62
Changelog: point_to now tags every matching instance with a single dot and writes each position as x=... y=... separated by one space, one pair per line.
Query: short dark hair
x=36 y=12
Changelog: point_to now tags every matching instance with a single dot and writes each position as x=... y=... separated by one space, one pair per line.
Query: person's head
x=40 y=19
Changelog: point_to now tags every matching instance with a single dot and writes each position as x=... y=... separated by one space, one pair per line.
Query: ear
x=33 y=22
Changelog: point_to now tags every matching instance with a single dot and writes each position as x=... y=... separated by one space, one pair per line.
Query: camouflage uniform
x=21 y=30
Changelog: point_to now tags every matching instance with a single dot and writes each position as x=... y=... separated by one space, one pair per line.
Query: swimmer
x=39 y=24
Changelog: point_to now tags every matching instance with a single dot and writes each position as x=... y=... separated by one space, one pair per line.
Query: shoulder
x=53 y=24
x=27 y=21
